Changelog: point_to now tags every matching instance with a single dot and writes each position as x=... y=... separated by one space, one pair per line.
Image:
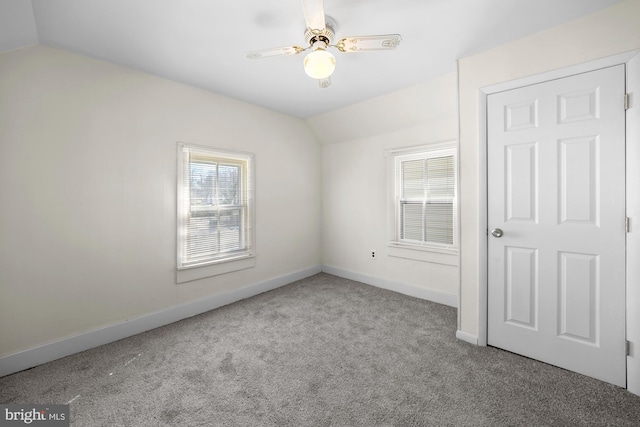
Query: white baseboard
x=36 y=356
x=46 y=353
x=471 y=339
x=426 y=294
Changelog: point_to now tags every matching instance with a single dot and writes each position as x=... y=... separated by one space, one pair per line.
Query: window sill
x=424 y=254
x=221 y=267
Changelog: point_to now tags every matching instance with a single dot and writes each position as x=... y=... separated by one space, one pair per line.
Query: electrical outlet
x=373 y=254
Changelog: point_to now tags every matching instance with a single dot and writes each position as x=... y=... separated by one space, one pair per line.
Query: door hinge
x=627 y=224
x=626 y=101
x=627 y=345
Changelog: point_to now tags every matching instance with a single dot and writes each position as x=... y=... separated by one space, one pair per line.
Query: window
x=425 y=198
x=215 y=207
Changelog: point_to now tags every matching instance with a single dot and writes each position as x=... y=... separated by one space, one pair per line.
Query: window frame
x=423 y=251
x=220 y=262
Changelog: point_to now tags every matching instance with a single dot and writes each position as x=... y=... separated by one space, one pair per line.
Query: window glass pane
x=229 y=184
x=202 y=236
x=413 y=179
x=440 y=181
x=412 y=222
x=231 y=238
x=439 y=223
x=202 y=182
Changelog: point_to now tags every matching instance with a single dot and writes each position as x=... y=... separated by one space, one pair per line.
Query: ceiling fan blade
x=314 y=14
x=276 y=51
x=369 y=43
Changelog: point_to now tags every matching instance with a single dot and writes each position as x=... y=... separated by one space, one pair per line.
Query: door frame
x=632 y=199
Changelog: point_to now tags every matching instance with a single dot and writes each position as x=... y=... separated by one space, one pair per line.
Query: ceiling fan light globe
x=319 y=64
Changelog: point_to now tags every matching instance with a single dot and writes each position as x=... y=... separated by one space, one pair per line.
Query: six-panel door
x=556 y=177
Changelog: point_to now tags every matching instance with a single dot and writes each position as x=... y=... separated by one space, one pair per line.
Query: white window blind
x=425 y=198
x=214 y=206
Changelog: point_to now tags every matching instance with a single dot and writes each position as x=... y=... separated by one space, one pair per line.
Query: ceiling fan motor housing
x=325 y=35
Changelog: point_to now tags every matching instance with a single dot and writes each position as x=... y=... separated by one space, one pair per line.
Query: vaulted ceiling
x=203 y=42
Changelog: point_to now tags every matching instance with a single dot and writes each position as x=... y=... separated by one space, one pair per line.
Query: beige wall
x=354 y=196
x=605 y=33
x=88 y=190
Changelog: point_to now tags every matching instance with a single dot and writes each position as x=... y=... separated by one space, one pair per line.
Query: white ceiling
x=203 y=42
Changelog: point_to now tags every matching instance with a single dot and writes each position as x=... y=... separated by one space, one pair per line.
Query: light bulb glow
x=319 y=64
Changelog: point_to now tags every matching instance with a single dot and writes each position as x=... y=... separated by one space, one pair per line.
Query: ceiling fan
x=319 y=34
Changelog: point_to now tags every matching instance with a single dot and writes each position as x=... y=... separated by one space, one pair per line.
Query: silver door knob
x=496 y=232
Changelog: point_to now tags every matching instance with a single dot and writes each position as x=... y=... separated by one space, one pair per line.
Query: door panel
x=556 y=177
x=521 y=286
x=579 y=169
x=521 y=182
x=579 y=290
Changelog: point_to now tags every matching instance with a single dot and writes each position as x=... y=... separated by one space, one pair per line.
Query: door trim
x=633 y=187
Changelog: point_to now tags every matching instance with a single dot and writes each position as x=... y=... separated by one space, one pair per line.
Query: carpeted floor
x=324 y=351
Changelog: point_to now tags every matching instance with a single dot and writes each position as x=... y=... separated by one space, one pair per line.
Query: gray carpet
x=324 y=351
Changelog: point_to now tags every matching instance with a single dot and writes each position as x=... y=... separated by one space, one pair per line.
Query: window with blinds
x=426 y=198
x=214 y=206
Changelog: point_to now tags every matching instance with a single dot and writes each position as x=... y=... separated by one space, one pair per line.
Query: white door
x=556 y=177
